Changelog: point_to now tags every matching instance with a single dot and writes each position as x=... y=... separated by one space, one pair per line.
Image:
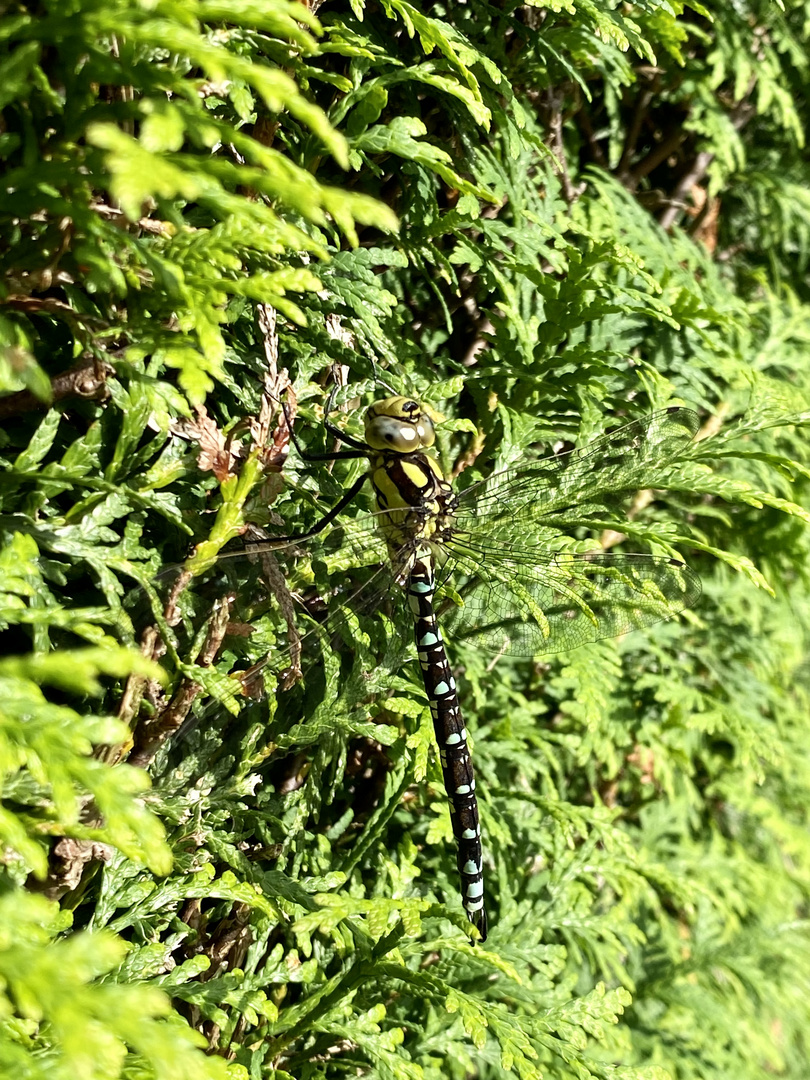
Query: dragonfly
x=460 y=561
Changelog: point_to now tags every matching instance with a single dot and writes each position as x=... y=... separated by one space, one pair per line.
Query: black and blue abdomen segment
x=451 y=737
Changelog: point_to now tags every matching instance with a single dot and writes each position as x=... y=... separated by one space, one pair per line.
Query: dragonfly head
x=399 y=424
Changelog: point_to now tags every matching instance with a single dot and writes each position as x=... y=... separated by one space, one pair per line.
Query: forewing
x=271 y=608
x=581 y=481
x=535 y=602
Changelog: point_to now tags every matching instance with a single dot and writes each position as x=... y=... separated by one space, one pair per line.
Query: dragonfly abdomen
x=451 y=738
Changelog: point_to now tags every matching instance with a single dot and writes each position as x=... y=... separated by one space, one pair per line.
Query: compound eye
x=427 y=432
x=390 y=432
x=399 y=424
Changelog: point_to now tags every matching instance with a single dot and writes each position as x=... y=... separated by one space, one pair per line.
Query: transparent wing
x=271 y=585
x=526 y=599
x=537 y=602
x=635 y=456
x=278 y=608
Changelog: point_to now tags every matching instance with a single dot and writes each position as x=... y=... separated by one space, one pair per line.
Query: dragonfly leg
x=360 y=449
x=293 y=538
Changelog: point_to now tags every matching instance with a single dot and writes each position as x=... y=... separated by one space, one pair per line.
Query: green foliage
x=545 y=220
x=62 y=1021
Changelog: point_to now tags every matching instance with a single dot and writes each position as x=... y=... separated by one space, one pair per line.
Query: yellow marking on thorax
x=386 y=491
x=408 y=483
x=405 y=508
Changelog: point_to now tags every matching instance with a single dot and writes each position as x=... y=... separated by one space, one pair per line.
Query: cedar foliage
x=543 y=220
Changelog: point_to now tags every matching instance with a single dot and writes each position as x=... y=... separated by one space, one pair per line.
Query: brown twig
x=668 y=145
x=633 y=132
x=68 y=860
x=277 y=387
x=49 y=305
x=584 y=121
x=86 y=380
x=555 y=100
x=739 y=116
x=136 y=687
x=151 y=737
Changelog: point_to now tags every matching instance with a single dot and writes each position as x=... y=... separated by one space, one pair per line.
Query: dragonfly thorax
x=416 y=501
